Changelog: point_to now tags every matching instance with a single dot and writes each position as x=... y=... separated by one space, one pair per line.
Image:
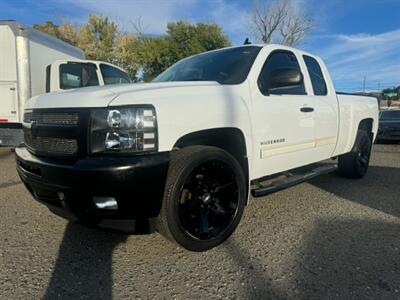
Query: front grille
x=61 y=118
x=55 y=146
x=56 y=132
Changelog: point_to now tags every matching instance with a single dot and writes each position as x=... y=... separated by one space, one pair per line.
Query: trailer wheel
x=204 y=198
x=355 y=163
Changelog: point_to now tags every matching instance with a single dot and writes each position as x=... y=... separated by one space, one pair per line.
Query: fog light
x=105 y=202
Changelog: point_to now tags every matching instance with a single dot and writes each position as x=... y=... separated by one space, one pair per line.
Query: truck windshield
x=227 y=66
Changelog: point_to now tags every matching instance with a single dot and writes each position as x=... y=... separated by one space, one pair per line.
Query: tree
x=50 y=28
x=97 y=38
x=100 y=39
x=280 y=21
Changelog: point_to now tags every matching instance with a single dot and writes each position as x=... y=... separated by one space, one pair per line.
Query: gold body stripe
x=271 y=150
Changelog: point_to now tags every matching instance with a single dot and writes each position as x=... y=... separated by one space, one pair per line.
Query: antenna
x=247 y=42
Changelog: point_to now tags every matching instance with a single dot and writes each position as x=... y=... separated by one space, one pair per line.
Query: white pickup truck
x=184 y=152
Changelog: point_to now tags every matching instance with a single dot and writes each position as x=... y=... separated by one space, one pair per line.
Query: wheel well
x=366 y=124
x=230 y=139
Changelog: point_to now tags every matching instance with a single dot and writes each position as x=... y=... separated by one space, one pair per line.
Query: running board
x=290 y=180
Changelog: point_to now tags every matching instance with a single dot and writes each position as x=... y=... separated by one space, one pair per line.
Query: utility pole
x=365 y=78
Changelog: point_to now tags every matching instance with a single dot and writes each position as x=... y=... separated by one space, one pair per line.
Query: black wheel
x=355 y=163
x=204 y=198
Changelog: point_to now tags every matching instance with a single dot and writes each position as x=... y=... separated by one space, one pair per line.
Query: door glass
x=279 y=60
x=113 y=75
x=316 y=76
x=76 y=75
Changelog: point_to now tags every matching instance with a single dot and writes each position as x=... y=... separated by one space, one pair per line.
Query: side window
x=76 y=75
x=280 y=60
x=316 y=76
x=113 y=75
x=48 y=75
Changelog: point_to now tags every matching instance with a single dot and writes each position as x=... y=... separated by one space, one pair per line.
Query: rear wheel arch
x=366 y=125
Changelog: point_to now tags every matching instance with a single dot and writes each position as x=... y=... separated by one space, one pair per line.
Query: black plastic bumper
x=136 y=182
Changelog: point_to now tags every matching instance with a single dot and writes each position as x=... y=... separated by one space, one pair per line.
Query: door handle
x=307 y=109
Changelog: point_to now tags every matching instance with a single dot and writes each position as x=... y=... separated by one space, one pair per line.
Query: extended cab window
x=280 y=60
x=76 y=75
x=316 y=76
x=113 y=75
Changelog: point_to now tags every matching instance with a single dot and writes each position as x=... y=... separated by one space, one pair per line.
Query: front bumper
x=67 y=189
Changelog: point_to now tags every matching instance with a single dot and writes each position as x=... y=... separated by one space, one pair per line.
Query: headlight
x=124 y=129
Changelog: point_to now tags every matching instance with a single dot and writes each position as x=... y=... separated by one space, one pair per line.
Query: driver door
x=283 y=114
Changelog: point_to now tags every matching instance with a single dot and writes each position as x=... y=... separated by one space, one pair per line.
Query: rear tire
x=204 y=198
x=355 y=163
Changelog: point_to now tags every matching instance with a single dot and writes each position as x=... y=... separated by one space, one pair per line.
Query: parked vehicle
x=389 y=125
x=185 y=151
x=33 y=63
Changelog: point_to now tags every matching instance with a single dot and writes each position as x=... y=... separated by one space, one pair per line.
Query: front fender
x=183 y=110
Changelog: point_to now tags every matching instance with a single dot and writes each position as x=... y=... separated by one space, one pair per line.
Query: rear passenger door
x=326 y=108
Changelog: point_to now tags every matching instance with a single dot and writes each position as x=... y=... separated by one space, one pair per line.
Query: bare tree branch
x=279 y=21
x=139 y=27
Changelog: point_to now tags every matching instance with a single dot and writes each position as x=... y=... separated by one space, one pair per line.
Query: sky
x=357 y=38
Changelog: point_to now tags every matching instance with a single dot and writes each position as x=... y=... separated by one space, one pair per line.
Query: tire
x=204 y=198
x=355 y=163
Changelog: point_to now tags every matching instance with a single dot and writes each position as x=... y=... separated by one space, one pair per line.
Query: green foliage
x=100 y=39
x=97 y=38
x=50 y=28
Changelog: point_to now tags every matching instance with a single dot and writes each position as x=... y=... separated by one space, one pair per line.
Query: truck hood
x=102 y=96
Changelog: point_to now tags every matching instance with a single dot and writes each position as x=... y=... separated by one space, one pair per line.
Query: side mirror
x=283 y=78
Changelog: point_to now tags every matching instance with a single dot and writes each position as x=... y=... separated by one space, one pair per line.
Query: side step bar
x=291 y=180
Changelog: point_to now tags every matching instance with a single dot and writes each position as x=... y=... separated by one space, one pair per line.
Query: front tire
x=355 y=163
x=204 y=198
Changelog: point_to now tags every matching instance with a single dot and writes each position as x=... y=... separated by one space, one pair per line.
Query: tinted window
x=390 y=115
x=316 y=76
x=276 y=61
x=227 y=66
x=48 y=74
x=76 y=75
x=113 y=75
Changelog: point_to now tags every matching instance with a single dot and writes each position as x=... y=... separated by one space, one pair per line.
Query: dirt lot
x=330 y=238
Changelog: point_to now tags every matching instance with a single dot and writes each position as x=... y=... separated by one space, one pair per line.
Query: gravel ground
x=329 y=238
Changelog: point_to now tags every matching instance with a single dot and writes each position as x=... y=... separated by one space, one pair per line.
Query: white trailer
x=33 y=63
x=24 y=55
